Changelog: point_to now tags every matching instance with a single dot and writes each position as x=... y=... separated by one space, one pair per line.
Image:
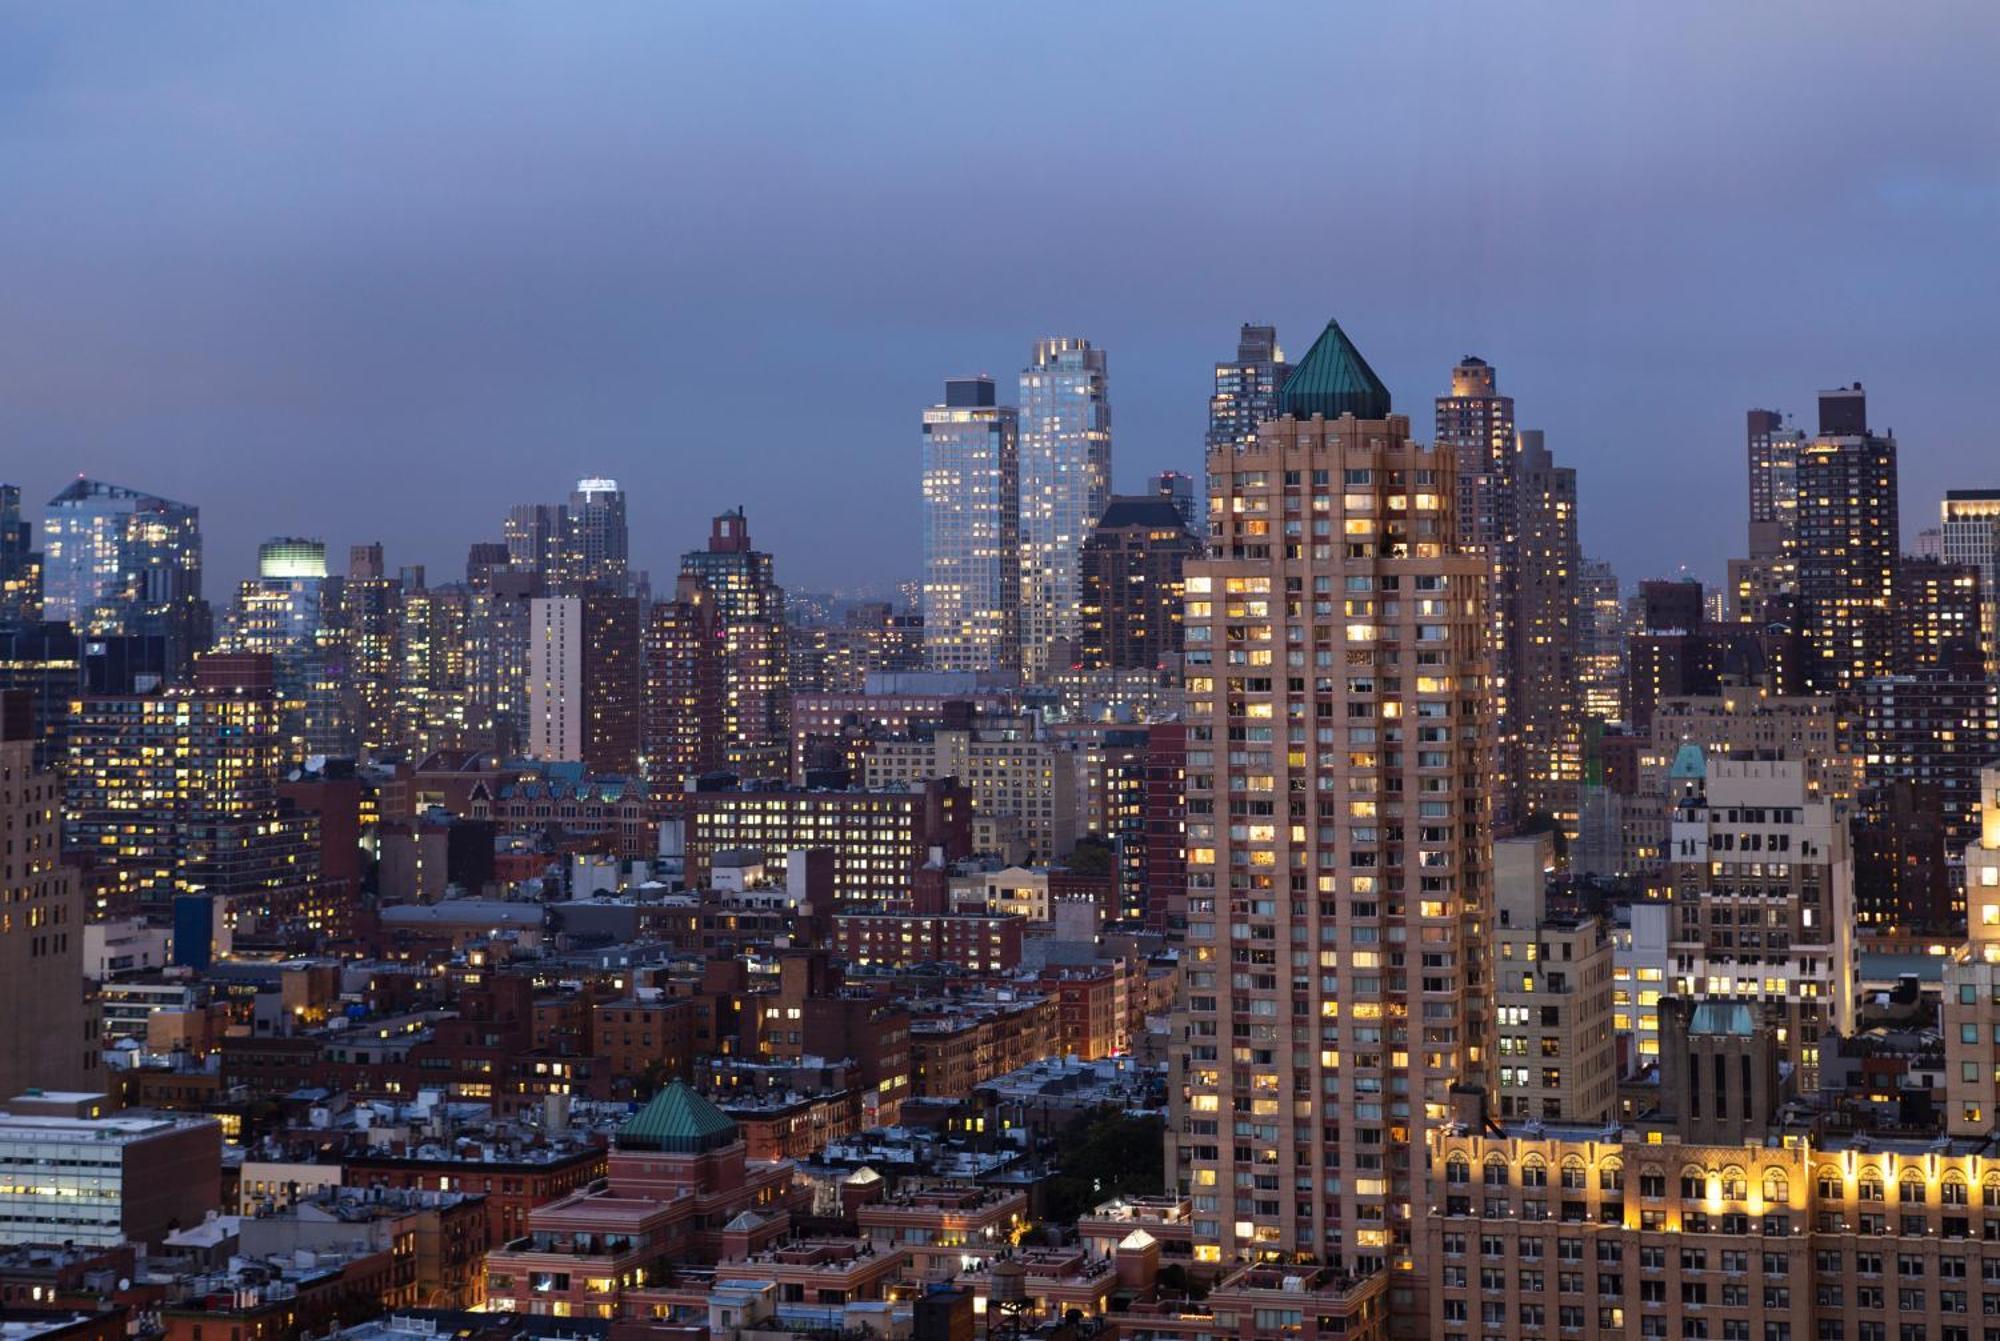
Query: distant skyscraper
x=291 y=612
x=118 y=561
x=1600 y=641
x=434 y=690
x=1969 y=533
x=49 y=1042
x=750 y=609
x=1132 y=592
x=1848 y=545
x=1545 y=734
x=371 y=613
x=1774 y=447
x=1065 y=484
x=686 y=733
x=1246 y=388
x=596 y=548
x=1336 y=747
x=535 y=534
x=584 y=682
x=972 y=530
x=20 y=564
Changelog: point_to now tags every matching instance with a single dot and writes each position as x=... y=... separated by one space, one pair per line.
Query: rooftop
x=678 y=1121
x=1333 y=379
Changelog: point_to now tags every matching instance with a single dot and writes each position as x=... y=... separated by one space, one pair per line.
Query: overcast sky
x=381 y=270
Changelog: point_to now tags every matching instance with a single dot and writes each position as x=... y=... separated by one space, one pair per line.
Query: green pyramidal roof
x=677 y=1121
x=1333 y=379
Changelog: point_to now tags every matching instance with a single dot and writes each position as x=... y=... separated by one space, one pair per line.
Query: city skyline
x=282 y=342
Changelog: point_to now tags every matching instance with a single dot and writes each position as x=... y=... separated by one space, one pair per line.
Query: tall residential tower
x=1065 y=485
x=1338 y=842
x=972 y=530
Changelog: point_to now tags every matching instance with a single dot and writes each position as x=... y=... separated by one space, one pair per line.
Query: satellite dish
x=124 y=1283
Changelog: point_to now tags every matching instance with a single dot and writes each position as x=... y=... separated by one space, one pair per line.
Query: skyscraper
x=1969 y=533
x=1545 y=733
x=20 y=564
x=1065 y=484
x=686 y=674
x=750 y=610
x=371 y=611
x=118 y=561
x=1848 y=545
x=1517 y=509
x=1133 y=568
x=1338 y=842
x=972 y=530
x=1246 y=388
x=291 y=612
x=584 y=685
x=1600 y=641
x=596 y=548
x=49 y=1041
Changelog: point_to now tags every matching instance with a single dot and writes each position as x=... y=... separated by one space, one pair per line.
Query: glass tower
x=118 y=561
x=1065 y=485
x=972 y=530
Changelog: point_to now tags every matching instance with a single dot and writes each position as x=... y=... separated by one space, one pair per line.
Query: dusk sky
x=380 y=271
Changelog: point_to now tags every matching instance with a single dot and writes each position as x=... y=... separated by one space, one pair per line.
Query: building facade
x=972 y=530
x=1312 y=1049
x=1065 y=484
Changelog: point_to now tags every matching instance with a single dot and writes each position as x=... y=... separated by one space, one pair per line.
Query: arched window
x=1611 y=1175
x=1830 y=1183
x=1910 y=1191
x=1952 y=1190
x=1534 y=1173
x=1989 y=1191
x=1694 y=1183
x=1573 y=1175
x=1458 y=1169
x=1777 y=1187
x=1496 y=1171
x=1868 y=1187
x=1734 y=1186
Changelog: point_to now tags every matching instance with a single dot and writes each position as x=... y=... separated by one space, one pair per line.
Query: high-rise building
x=1551 y=993
x=596 y=547
x=371 y=613
x=1969 y=533
x=176 y=792
x=1246 y=388
x=1338 y=844
x=20 y=564
x=686 y=677
x=120 y=562
x=535 y=534
x=1132 y=573
x=1517 y=508
x=50 y=1041
x=1477 y=423
x=1600 y=648
x=1936 y=614
x=435 y=691
x=1937 y=728
x=1065 y=484
x=1848 y=546
x=1542 y=739
x=750 y=610
x=584 y=685
x=972 y=530
x=291 y=611
x=499 y=627
x=1774 y=447
x=1762 y=884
